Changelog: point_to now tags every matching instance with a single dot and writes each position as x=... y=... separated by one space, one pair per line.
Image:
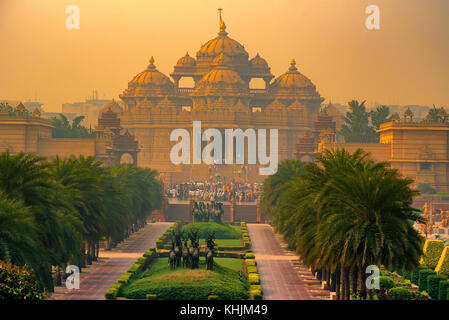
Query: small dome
x=186 y=61
x=258 y=62
x=36 y=112
x=150 y=82
x=20 y=107
x=293 y=84
x=113 y=105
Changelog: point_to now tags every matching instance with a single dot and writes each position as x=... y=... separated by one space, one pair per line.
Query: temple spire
x=222 y=23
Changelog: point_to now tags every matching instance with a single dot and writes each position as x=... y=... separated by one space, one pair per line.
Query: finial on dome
x=151 y=65
x=222 y=24
x=293 y=65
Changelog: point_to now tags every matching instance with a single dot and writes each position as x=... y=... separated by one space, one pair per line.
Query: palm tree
x=348 y=212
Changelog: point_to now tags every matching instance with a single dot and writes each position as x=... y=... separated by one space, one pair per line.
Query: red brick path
x=97 y=278
x=279 y=279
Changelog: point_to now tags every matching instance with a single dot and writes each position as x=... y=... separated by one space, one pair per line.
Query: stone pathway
x=282 y=275
x=97 y=278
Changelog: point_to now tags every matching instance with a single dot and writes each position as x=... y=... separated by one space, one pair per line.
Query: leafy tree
x=379 y=116
x=356 y=127
x=63 y=128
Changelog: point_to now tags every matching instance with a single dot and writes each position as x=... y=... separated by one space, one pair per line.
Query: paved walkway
x=277 y=267
x=97 y=278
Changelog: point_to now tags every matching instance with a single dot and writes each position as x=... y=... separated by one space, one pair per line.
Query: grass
x=222 y=230
x=188 y=284
x=225 y=242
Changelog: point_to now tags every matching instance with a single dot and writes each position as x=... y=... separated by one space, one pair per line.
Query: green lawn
x=188 y=284
x=225 y=242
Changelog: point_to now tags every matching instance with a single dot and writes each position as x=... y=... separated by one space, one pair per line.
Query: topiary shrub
x=443 y=263
x=443 y=290
x=432 y=252
x=18 y=283
x=159 y=244
x=433 y=285
x=386 y=282
x=255 y=295
x=415 y=274
x=151 y=296
x=250 y=262
x=213 y=297
x=249 y=255
x=253 y=278
x=252 y=269
x=423 y=275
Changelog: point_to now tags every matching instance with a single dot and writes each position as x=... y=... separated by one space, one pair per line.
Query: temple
x=221 y=97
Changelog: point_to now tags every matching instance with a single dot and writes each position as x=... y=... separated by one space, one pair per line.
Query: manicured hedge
x=230 y=254
x=433 y=285
x=213 y=297
x=252 y=269
x=443 y=289
x=415 y=274
x=151 y=296
x=423 y=275
x=432 y=252
x=443 y=264
x=222 y=231
x=386 y=282
x=255 y=287
x=255 y=295
x=253 y=278
x=249 y=255
x=250 y=262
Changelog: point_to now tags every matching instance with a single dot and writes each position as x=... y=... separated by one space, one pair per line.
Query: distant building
x=89 y=108
x=418 y=149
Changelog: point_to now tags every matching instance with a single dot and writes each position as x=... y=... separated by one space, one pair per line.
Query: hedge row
x=165 y=238
x=255 y=289
x=141 y=265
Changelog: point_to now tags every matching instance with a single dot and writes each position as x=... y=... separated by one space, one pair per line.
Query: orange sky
x=406 y=62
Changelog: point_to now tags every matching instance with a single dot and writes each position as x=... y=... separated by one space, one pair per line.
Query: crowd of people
x=215 y=191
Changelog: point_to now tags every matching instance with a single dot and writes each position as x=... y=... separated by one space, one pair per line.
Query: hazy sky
x=405 y=62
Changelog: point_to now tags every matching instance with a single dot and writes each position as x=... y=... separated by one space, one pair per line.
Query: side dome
x=149 y=82
x=258 y=62
x=186 y=61
x=294 y=85
x=220 y=81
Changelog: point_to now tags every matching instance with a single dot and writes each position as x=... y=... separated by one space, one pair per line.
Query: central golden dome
x=224 y=44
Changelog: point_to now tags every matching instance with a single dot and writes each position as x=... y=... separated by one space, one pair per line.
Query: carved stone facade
x=221 y=98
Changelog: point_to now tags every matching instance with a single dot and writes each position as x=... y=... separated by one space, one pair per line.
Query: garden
x=230 y=275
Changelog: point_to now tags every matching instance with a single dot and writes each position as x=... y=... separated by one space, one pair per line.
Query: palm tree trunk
x=342 y=283
x=328 y=279
x=354 y=281
x=363 y=283
x=337 y=284
x=347 y=286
